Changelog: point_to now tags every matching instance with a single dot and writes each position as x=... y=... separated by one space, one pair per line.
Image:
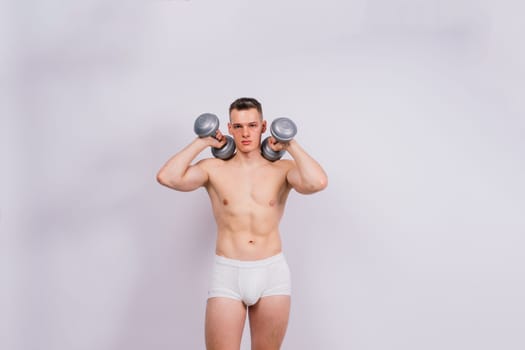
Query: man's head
x=245 y=103
x=246 y=124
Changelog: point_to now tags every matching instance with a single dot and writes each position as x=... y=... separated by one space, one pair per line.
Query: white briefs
x=248 y=281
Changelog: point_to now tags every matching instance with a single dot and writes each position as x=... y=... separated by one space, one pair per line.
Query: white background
x=414 y=108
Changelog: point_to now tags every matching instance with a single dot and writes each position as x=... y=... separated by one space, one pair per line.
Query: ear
x=263 y=126
x=230 y=128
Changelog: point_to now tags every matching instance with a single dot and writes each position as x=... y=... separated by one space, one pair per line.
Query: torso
x=248 y=203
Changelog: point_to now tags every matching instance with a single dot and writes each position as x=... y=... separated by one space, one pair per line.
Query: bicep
x=194 y=177
x=299 y=183
x=294 y=179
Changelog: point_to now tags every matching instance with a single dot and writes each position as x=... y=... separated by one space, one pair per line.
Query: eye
x=253 y=125
x=236 y=126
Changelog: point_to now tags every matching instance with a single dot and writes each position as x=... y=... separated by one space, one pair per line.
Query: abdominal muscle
x=247 y=231
x=248 y=206
x=247 y=245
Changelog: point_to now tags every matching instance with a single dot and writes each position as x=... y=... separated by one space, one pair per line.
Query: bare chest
x=243 y=188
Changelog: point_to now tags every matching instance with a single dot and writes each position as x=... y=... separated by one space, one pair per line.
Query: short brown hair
x=244 y=103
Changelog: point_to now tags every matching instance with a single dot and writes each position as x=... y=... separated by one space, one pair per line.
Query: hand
x=218 y=141
x=276 y=145
x=283 y=130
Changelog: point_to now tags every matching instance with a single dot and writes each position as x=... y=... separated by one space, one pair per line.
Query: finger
x=275 y=145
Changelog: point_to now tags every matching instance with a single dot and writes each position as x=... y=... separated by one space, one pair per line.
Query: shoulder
x=285 y=164
x=209 y=164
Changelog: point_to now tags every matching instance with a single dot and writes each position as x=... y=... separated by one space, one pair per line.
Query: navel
x=225 y=201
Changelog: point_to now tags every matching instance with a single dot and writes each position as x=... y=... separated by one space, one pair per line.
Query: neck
x=249 y=158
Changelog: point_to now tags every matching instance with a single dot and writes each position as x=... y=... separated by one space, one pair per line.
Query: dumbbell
x=283 y=130
x=206 y=125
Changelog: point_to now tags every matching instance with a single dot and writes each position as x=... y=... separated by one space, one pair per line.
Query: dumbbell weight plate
x=283 y=129
x=269 y=153
x=227 y=151
x=206 y=125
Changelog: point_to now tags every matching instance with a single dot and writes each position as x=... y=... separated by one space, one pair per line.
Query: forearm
x=313 y=177
x=176 y=166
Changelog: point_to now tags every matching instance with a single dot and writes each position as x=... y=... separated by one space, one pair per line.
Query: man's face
x=246 y=127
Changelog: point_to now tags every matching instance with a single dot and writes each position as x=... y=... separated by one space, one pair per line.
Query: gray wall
x=414 y=108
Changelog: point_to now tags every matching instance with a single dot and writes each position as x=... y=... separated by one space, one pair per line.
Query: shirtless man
x=248 y=195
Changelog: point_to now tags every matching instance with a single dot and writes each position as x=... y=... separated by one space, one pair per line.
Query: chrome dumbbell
x=206 y=125
x=283 y=130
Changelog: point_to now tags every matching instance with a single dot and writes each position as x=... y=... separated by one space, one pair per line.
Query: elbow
x=313 y=187
x=162 y=178
x=323 y=183
x=166 y=179
x=320 y=184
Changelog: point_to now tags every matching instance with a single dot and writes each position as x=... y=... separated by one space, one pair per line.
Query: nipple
x=225 y=201
x=272 y=203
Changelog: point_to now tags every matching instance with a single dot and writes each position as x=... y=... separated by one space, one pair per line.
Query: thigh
x=268 y=321
x=225 y=319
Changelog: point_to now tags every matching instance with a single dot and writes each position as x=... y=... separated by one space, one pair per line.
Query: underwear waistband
x=249 y=263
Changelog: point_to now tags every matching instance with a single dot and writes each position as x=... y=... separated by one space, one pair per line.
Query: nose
x=245 y=131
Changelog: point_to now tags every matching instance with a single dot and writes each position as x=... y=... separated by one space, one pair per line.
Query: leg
x=268 y=322
x=225 y=319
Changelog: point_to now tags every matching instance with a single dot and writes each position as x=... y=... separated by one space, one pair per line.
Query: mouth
x=246 y=142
